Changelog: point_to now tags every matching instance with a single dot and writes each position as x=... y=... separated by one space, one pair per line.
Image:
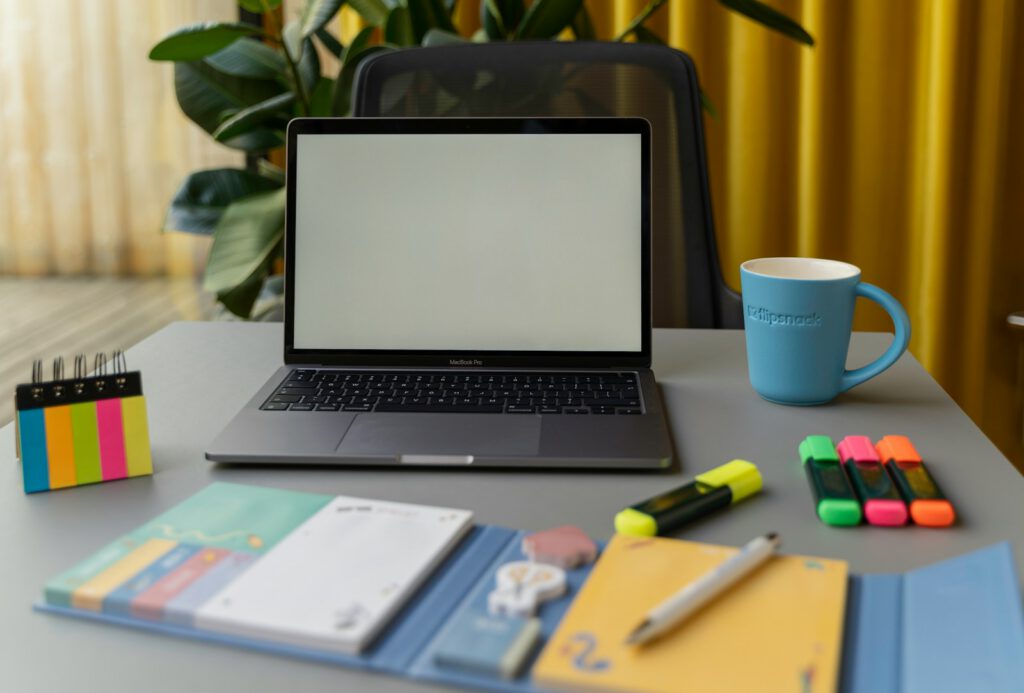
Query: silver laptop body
x=463 y=292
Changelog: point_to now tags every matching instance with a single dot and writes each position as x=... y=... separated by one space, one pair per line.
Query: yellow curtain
x=895 y=144
x=92 y=142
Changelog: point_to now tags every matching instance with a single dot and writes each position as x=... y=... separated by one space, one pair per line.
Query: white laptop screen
x=476 y=242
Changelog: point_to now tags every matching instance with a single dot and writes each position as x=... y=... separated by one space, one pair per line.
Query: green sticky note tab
x=839 y=512
x=85 y=439
x=818 y=448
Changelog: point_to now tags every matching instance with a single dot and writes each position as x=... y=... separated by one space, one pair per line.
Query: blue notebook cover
x=952 y=626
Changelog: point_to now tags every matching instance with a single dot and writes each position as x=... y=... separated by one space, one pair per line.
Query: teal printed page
x=239 y=518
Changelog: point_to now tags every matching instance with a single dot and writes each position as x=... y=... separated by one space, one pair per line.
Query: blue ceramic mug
x=798 y=315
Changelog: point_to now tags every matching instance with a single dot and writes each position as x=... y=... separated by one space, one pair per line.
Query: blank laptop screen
x=479 y=242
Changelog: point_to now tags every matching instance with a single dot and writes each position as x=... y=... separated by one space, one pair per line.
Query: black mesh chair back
x=584 y=79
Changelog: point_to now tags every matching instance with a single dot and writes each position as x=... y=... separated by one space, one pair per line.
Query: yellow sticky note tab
x=91 y=594
x=136 y=436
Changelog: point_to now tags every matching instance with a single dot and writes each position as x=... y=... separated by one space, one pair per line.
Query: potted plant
x=243 y=82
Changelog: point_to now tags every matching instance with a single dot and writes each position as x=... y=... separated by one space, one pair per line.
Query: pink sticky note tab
x=113 y=462
x=858 y=449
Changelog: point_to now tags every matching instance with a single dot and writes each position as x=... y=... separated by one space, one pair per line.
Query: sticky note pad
x=82 y=431
x=479 y=643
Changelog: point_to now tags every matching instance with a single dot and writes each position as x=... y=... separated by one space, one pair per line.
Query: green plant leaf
x=437 y=37
x=200 y=40
x=343 y=88
x=244 y=239
x=429 y=14
x=645 y=35
x=771 y=18
x=204 y=94
x=270 y=171
x=341 y=102
x=201 y=199
x=293 y=41
x=240 y=299
x=398 y=27
x=547 y=18
x=248 y=58
x=583 y=25
x=316 y=13
x=373 y=12
x=330 y=42
x=276 y=108
x=259 y=6
x=309 y=66
x=321 y=98
x=499 y=17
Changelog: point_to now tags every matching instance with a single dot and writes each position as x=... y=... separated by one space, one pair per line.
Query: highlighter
x=714 y=489
x=834 y=499
x=928 y=506
x=882 y=503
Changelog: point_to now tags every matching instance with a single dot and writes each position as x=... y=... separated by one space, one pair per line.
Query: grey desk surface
x=196 y=375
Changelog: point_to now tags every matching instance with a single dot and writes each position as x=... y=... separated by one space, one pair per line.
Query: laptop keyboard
x=478 y=393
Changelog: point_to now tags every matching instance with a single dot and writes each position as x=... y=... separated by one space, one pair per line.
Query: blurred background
x=893 y=143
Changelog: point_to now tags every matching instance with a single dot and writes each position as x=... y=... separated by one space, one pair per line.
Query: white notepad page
x=340 y=577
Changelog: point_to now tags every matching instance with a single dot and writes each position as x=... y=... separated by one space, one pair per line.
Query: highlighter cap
x=897 y=449
x=818 y=448
x=742 y=478
x=857 y=449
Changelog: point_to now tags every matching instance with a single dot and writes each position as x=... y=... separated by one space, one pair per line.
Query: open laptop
x=463 y=292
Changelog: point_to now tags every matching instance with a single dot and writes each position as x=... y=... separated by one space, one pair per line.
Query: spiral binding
x=83 y=386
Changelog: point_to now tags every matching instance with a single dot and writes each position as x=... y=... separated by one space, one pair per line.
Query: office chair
x=585 y=79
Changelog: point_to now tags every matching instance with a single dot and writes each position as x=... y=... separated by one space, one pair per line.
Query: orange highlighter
x=928 y=506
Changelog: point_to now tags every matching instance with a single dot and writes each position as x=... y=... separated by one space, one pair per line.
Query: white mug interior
x=803 y=268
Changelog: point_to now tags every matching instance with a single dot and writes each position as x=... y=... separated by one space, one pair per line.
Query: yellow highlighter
x=714 y=489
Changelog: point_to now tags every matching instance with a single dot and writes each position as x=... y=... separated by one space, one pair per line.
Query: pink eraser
x=566 y=547
x=885 y=513
x=857 y=449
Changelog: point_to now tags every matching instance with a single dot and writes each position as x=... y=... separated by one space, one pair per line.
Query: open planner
x=392 y=587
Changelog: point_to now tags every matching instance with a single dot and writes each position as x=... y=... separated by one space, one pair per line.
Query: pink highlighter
x=882 y=503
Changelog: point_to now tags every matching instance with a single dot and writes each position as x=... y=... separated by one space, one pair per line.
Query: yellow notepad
x=779 y=629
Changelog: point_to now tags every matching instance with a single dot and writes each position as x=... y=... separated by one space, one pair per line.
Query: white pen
x=693 y=596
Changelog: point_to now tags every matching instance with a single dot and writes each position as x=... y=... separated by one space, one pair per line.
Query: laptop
x=463 y=293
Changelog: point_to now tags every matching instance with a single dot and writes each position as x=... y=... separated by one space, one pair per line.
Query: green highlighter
x=834 y=498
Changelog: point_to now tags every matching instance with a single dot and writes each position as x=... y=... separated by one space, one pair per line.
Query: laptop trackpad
x=442 y=434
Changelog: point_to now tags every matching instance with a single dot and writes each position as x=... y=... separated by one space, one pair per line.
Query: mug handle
x=899 y=341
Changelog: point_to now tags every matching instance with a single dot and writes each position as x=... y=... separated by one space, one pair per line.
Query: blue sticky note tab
x=962 y=625
x=479 y=643
x=32 y=438
x=120 y=600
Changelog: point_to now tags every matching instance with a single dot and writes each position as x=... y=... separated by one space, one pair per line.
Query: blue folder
x=953 y=626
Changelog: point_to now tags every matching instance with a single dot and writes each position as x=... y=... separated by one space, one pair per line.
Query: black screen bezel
x=448 y=358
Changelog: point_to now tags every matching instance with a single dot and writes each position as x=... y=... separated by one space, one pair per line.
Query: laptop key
x=549 y=410
x=274 y=406
x=602 y=410
x=575 y=410
x=286 y=399
x=447 y=409
x=519 y=409
x=302 y=407
x=357 y=407
x=630 y=410
x=327 y=407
